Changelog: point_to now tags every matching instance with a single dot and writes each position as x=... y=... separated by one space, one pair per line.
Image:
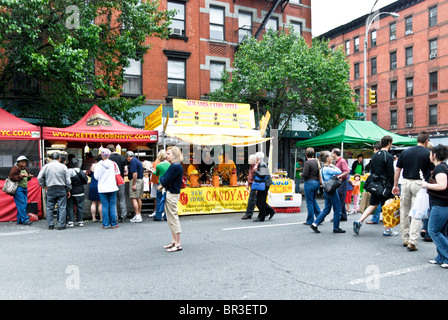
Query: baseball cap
x=105 y=152
x=21 y=158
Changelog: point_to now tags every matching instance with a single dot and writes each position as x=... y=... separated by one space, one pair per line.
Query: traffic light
x=372 y=96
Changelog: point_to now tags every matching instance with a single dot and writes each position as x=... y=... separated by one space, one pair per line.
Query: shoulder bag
x=332 y=184
x=118 y=178
x=10 y=187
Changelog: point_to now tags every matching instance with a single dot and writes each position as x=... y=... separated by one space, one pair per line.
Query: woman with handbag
x=438 y=200
x=329 y=172
x=20 y=174
x=262 y=176
x=107 y=189
x=311 y=175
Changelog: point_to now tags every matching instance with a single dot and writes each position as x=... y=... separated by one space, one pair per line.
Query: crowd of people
x=64 y=181
x=421 y=166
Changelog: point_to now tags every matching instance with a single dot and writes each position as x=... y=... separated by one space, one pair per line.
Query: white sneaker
x=137 y=218
x=152 y=215
x=81 y=224
x=390 y=233
x=70 y=224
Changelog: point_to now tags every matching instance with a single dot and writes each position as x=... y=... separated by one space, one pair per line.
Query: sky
x=329 y=14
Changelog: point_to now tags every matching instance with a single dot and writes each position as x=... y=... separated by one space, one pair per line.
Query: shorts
x=137 y=194
x=348 y=196
x=377 y=200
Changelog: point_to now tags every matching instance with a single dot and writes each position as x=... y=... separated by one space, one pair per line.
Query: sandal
x=169 y=246
x=174 y=248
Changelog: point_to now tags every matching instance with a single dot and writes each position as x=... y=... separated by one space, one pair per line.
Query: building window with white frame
x=297 y=26
x=132 y=85
x=272 y=24
x=393 y=60
x=432 y=16
x=347 y=47
x=409 y=51
x=393 y=31
x=217 y=23
x=433 y=81
x=408 y=25
x=393 y=119
x=409 y=87
x=433 y=115
x=409 y=117
x=432 y=48
x=356 y=43
x=216 y=70
x=176 y=78
x=373 y=38
x=244 y=25
x=177 y=26
x=393 y=90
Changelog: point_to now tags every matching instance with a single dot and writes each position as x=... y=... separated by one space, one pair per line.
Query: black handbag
x=378 y=186
x=331 y=185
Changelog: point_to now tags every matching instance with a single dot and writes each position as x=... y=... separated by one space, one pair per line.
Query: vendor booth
x=204 y=125
x=18 y=137
x=95 y=131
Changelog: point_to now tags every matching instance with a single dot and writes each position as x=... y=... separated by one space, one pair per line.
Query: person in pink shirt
x=356 y=183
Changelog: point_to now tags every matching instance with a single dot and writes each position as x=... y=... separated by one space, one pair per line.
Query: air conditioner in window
x=393 y=126
x=408 y=32
x=433 y=55
x=176 y=31
x=408 y=125
x=392 y=37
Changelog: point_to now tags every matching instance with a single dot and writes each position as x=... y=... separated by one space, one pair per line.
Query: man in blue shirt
x=135 y=175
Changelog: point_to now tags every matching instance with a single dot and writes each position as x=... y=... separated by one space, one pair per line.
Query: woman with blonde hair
x=172 y=182
x=159 y=172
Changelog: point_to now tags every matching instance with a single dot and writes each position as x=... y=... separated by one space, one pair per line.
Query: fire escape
x=274 y=4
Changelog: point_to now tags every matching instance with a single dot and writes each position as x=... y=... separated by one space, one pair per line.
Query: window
x=217 y=23
x=409 y=117
x=432 y=48
x=432 y=16
x=393 y=119
x=176 y=78
x=177 y=26
x=297 y=26
x=409 y=56
x=356 y=42
x=393 y=31
x=216 y=70
x=373 y=68
x=244 y=25
x=393 y=90
x=433 y=81
x=409 y=87
x=432 y=115
x=357 y=96
x=408 y=26
x=272 y=24
x=356 y=70
x=132 y=78
x=347 y=47
x=373 y=38
x=393 y=60
x=375 y=118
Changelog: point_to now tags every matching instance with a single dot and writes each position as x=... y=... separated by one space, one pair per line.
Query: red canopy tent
x=18 y=137
x=97 y=126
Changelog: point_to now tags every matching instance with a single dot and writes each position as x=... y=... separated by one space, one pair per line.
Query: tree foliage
x=75 y=51
x=283 y=75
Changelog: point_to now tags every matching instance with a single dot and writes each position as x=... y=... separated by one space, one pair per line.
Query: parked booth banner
x=98 y=126
x=154 y=119
x=209 y=114
x=208 y=200
x=282 y=186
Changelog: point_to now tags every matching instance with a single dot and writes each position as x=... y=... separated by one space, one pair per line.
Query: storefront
x=18 y=137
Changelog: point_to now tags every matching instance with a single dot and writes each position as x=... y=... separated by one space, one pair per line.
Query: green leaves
x=282 y=74
x=75 y=51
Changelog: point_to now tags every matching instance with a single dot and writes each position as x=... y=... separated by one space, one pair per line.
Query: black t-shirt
x=414 y=159
x=120 y=160
x=382 y=164
x=435 y=200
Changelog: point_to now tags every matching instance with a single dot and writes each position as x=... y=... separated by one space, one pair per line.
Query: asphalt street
x=223 y=257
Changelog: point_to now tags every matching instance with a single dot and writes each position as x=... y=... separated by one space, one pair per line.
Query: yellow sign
x=195 y=113
x=264 y=123
x=166 y=121
x=208 y=200
x=154 y=119
x=281 y=186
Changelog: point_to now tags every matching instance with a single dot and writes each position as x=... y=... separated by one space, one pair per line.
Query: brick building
x=204 y=38
x=407 y=60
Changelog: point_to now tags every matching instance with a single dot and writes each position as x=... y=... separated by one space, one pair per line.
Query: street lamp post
x=368 y=24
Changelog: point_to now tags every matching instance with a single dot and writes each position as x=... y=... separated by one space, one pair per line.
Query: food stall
x=207 y=124
x=18 y=137
x=95 y=131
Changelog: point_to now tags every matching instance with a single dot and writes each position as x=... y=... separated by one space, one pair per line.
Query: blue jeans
x=376 y=216
x=438 y=219
x=160 y=205
x=331 y=200
x=297 y=183
x=311 y=188
x=109 y=202
x=21 y=199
